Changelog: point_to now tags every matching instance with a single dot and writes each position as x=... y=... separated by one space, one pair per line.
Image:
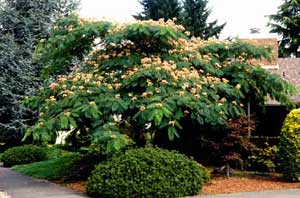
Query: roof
x=289 y=69
x=265 y=42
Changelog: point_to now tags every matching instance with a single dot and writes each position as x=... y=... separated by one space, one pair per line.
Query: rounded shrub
x=23 y=155
x=289 y=146
x=147 y=173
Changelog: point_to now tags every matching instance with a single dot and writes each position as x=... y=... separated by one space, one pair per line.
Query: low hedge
x=289 y=146
x=23 y=155
x=147 y=173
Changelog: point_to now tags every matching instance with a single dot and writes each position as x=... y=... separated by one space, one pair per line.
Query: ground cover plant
x=134 y=81
x=62 y=165
x=57 y=168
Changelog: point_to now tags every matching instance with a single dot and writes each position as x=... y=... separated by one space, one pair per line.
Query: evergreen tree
x=287 y=24
x=22 y=24
x=193 y=15
x=194 y=19
x=157 y=9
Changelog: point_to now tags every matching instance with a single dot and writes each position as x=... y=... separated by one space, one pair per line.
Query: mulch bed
x=220 y=185
x=78 y=186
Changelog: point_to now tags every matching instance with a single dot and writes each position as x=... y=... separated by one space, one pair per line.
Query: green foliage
x=73 y=39
x=57 y=168
x=265 y=159
x=108 y=140
x=289 y=146
x=23 y=155
x=194 y=19
x=146 y=78
x=69 y=166
x=14 y=84
x=192 y=15
x=22 y=24
x=53 y=152
x=29 y=21
x=286 y=23
x=251 y=79
x=147 y=172
x=159 y=9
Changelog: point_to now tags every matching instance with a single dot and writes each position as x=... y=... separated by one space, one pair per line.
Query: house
x=271 y=120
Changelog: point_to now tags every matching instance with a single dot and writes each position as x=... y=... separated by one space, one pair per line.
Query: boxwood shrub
x=147 y=173
x=23 y=155
x=289 y=146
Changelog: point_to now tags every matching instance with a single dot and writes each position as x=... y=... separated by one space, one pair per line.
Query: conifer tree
x=158 y=9
x=193 y=15
x=22 y=24
x=194 y=19
x=286 y=23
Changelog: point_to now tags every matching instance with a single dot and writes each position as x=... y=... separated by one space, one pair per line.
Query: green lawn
x=53 y=169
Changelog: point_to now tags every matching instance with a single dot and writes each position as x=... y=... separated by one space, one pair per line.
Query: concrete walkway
x=20 y=186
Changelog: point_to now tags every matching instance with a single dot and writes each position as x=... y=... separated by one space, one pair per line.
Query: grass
x=53 y=169
x=61 y=165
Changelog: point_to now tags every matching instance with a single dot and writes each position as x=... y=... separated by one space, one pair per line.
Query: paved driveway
x=21 y=186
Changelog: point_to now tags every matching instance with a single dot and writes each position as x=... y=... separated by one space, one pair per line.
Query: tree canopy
x=286 y=23
x=140 y=79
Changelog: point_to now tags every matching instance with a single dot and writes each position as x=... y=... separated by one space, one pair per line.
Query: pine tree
x=158 y=9
x=22 y=24
x=194 y=19
x=286 y=22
